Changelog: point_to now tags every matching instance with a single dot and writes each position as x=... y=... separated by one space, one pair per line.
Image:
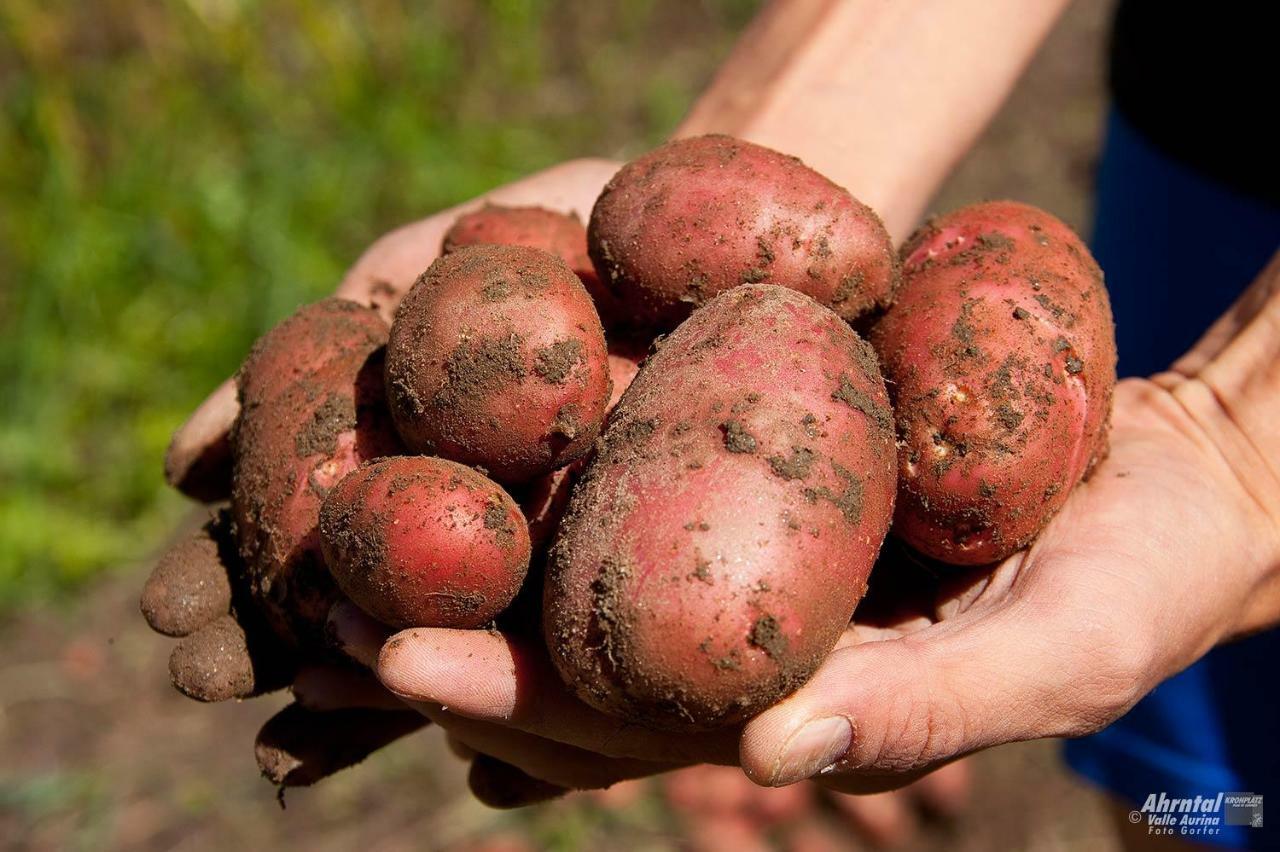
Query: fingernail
x=813 y=748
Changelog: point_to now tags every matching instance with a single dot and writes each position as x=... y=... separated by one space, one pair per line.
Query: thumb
x=890 y=709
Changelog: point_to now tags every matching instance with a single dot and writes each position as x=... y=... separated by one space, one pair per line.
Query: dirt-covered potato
x=497 y=359
x=718 y=542
x=1000 y=355
x=561 y=234
x=424 y=542
x=312 y=410
x=698 y=216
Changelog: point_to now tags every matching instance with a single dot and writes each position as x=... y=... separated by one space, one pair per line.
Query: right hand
x=197 y=591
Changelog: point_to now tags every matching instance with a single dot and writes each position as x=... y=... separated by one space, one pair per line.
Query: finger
x=774 y=805
x=620 y=796
x=725 y=833
x=1229 y=325
x=945 y=791
x=549 y=761
x=884 y=710
x=814 y=836
x=198 y=461
x=706 y=789
x=223 y=660
x=189 y=586
x=327 y=687
x=501 y=785
x=355 y=633
x=488 y=676
x=298 y=747
x=884 y=819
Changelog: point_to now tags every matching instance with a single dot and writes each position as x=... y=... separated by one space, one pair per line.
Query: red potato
x=698 y=216
x=497 y=359
x=1000 y=353
x=718 y=542
x=561 y=234
x=312 y=410
x=424 y=542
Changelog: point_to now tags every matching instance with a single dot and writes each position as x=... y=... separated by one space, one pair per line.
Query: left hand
x=1171 y=547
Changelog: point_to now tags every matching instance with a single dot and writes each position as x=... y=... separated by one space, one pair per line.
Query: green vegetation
x=177 y=176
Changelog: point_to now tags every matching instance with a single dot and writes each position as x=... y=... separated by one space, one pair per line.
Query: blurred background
x=178 y=175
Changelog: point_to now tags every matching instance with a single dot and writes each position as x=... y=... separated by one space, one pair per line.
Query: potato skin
x=312 y=410
x=417 y=541
x=698 y=216
x=497 y=359
x=561 y=234
x=1000 y=354
x=722 y=535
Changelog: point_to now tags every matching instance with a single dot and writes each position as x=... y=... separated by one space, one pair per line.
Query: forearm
x=882 y=97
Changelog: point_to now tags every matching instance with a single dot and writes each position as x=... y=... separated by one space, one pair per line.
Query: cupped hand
x=1168 y=549
x=197 y=591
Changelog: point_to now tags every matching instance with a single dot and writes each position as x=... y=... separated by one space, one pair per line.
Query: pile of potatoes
x=690 y=546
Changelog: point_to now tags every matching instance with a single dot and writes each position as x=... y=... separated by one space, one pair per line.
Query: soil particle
x=861 y=401
x=479 y=368
x=766 y=634
x=797 y=466
x=555 y=362
x=736 y=437
x=1009 y=417
x=319 y=436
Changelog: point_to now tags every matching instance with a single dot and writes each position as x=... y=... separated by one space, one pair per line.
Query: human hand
x=198 y=592
x=1171 y=547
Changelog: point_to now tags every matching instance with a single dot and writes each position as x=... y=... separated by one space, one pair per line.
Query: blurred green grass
x=177 y=175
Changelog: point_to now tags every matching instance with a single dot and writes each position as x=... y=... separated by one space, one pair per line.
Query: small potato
x=497 y=359
x=313 y=408
x=718 y=541
x=1000 y=355
x=424 y=542
x=560 y=234
x=698 y=216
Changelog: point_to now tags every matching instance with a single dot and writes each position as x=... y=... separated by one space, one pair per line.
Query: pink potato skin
x=497 y=359
x=698 y=216
x=561 y=234
x=1000 y=355
x=312 y=410
x=417 y=541
x=720 y=538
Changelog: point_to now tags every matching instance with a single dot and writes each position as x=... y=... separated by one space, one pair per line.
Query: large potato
x=312 y=410
x=1000 y=355
x=497 y=359
x=698 y=216
x=721 y=537
x=417 y=541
